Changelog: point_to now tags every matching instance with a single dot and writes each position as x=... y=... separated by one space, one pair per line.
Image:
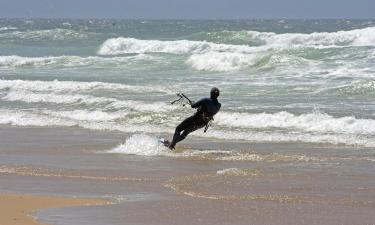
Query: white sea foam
x=69 y=61
x=358 y=87
x=31 y=97
x=86 y=115
x=57 y=34
x=93 y=120
x=115 y=46
x=18 y=61
x=75 y=86
x=8 y=28
x=234 y=172
x=310 y=122
x=358 y=37
x=67 y=24
x=98 y=120
x=222 y=61
x=291 y=136
x=24 y=118
x=141 y=144
x=107 y=103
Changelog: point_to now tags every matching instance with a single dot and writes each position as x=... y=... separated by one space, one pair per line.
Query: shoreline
x=256 y=183
x=19 y=209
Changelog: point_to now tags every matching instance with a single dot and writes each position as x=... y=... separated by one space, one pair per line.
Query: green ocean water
x=307 y=81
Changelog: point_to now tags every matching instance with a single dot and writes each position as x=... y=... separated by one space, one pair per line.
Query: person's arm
x=197 y=104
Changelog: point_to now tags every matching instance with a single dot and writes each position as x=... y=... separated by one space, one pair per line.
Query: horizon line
x=257 y=18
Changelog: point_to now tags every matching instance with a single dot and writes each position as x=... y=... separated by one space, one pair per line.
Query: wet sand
x=206 y=182
x=17 y=209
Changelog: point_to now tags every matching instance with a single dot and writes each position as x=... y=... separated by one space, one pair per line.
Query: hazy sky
x=188 y=9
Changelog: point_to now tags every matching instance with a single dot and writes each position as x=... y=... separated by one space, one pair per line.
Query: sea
x=84 y=102
x=281 y=81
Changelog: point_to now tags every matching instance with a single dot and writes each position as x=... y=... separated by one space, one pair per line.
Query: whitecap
x=309 y=122
x=141 y=144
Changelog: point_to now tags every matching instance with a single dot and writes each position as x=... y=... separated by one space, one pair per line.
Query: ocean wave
x=358 y=88
x=357 y=37
x=122 y=45
x=117 y=121
x=219 y=61
x=24 y=118
x=8 y=28
x=237 y=172
x=79 y=99
x=226 y=37
x=47 y=118
x=228 y=61
x=69 y=61
x=86 y=115
x=147 y=145
x=291 y=136
x=143 y=145
x=310 y=122
x=56 y=34
x=265 y=40
x=76 y=86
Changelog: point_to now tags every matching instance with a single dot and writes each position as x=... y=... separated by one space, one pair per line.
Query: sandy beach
x=255 y=184
x=18 y=209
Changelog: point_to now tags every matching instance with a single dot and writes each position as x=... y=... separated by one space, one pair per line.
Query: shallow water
x=202 y=182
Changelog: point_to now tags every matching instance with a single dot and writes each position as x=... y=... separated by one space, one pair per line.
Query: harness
x=183 y=99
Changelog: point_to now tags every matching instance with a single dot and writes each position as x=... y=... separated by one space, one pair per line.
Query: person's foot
x=171 y=145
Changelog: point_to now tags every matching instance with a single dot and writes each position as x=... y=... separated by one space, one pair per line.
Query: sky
x=187 y=9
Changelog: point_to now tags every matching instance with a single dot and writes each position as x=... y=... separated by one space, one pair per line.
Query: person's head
x=215 y=92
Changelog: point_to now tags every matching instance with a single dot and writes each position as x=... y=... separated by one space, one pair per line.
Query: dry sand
x=17 y=209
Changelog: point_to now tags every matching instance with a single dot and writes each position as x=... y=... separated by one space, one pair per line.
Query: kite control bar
x=183 y=97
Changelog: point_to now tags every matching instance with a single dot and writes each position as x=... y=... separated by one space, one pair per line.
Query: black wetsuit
x=207 y=108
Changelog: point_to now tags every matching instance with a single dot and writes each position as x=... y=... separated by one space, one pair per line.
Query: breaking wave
x=146 y=145
x=310 y=122
x=358 y=37
x=292 y=136
x=57 y=34
x=121 y=45
x=93 y=120
x=358 y=88
x=121 y=121
x=22 y=118
x=214 y=54
x=75 y=86
x=8 y=28
x=141 y=144
x=85 y=115
x=69 y=61
x=217 y=61
x=79 y=99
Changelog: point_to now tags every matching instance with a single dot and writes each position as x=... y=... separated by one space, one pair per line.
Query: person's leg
x=192 y=126
x=177 y=137
x=188 y=130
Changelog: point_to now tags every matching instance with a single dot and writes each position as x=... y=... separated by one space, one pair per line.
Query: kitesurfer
x=206 y=109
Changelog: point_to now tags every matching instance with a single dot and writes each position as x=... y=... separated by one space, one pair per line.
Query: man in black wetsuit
x=206 y=109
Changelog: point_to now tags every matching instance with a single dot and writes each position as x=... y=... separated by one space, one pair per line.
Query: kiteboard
x=165 y=142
